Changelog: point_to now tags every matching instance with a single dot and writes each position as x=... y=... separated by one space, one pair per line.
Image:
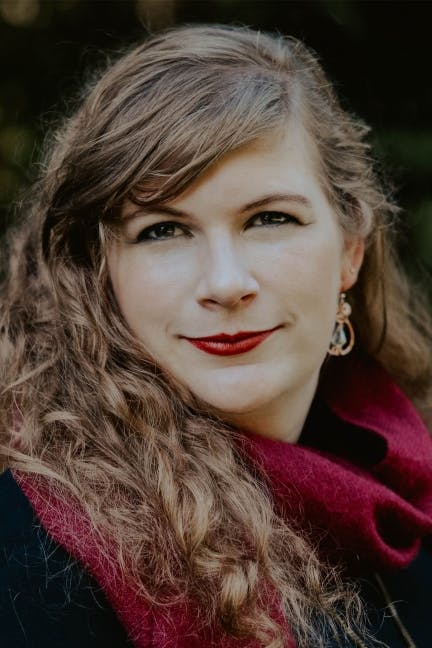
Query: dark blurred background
x=377 y=52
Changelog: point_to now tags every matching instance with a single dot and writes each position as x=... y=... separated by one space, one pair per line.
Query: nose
x=226 y=279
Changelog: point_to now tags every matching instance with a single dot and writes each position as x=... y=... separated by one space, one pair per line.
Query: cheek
x=309 y=292
x=311 y=267
x=134 y=288
x=147 y=290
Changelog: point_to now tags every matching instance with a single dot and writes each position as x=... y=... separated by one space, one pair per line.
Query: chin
x=229 y=407
x=237 y=400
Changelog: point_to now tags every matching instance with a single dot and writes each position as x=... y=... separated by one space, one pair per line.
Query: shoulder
x=411 y=591
x=16 y=515
x=46 y=598
x=404 y=597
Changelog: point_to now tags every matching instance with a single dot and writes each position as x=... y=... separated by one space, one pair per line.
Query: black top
x=47 y=600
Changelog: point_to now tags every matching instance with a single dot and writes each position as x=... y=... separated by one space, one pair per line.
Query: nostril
x=248 y=298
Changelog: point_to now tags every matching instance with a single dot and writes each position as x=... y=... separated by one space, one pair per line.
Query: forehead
x=283 y=161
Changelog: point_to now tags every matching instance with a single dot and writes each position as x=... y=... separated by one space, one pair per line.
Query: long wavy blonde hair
x=85 y=404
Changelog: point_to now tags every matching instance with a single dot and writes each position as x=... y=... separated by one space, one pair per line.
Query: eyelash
x=145 y=234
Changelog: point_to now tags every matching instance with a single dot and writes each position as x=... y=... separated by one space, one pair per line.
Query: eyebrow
x=255 y=204
x=287 y=197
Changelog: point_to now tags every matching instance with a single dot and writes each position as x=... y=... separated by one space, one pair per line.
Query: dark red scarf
x=361 y=474
x=360 y=479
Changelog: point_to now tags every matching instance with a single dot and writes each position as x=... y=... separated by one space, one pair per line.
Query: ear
x=352 y=260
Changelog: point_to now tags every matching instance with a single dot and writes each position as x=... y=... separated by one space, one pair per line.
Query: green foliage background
x=377 y=53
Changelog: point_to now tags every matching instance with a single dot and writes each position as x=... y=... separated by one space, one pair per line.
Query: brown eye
x=272 y=218
x=160 y=232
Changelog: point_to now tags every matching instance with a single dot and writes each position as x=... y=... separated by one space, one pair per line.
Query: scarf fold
x=360 y=480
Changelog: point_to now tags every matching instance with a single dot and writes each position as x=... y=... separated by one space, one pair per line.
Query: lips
x=226 y=344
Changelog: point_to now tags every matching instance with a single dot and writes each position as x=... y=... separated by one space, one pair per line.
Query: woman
x=203 y=326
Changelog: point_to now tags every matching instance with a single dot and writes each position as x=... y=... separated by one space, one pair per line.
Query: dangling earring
x=343 y=335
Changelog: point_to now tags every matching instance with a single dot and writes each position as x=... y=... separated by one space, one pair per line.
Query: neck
x=282 y=419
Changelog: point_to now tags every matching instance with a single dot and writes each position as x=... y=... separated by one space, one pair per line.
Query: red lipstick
x=225 y=344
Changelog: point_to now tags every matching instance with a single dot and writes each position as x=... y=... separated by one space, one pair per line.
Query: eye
x=272 y=218
x=161 y=232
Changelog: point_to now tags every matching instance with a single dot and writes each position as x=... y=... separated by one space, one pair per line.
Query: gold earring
x=343 y=337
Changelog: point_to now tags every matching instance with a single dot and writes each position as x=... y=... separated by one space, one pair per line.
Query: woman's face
x=251 y=246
